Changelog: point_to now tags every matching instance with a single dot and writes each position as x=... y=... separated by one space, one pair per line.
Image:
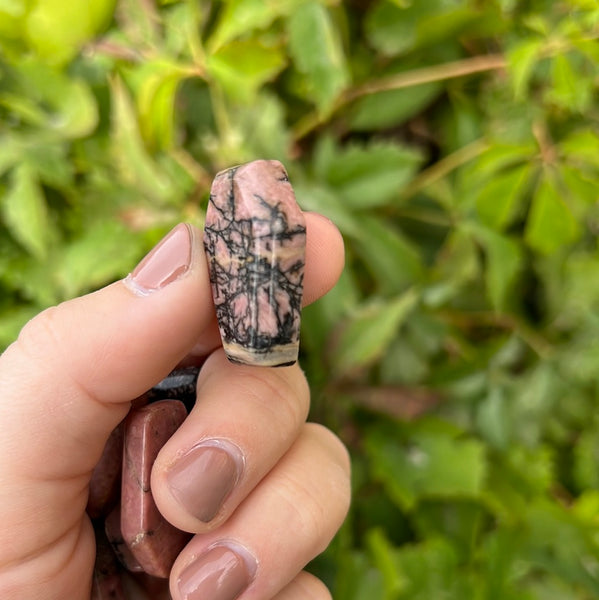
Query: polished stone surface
x=106 y=582
x=153 y=541
x=255 y=238
x=105 y=483
x=112 y=527
x=179 y=384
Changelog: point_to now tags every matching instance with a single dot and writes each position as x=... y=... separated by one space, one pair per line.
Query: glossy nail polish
x=165 y=263
x=255 y=238
x=202 y=478
x=221 y=573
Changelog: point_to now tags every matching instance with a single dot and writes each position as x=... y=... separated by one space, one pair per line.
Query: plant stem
x=445 y=166
x=441 y=72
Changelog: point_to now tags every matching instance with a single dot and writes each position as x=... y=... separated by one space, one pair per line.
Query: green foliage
x=455 y=144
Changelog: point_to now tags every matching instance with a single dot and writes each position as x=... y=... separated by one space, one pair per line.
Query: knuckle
x=42 y=336
x=316 y=493
x=305 y=586
x=283 y=398
x=332 y=445
x=305 y=511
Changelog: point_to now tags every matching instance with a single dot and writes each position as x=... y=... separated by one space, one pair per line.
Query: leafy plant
x=455 y=143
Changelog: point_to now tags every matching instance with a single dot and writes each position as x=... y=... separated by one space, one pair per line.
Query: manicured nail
x=219 y=574
x=255 y=240
x=165 y=263
x=202 y=478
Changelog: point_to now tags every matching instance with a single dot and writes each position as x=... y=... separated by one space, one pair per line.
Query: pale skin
x=68 y=381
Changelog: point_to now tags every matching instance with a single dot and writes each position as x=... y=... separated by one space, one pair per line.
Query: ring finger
x=287 y=520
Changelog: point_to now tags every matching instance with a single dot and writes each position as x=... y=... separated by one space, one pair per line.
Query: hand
x=69 y=380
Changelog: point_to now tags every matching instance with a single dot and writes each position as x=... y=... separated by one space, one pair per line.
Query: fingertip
x=325 y=256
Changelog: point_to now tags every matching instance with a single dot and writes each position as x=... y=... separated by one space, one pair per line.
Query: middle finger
x=245 y=419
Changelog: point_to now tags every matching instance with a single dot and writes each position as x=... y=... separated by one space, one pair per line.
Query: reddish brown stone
x=105 y=482
x=106 y=582
x=153 y=541
x=112 y=526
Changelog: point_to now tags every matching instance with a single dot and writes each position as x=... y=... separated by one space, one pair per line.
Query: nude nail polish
x=203 y=478
x=221 y=573
x=255 y=238
x=165 y=263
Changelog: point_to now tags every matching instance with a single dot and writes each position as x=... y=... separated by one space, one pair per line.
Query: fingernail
x=165 y=263
x=219 y=574
x=255 y=240
x=202 y=478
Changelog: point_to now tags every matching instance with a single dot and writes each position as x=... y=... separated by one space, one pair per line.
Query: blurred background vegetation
x=455 y=144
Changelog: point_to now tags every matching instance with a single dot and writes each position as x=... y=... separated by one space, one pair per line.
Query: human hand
x=69 y=380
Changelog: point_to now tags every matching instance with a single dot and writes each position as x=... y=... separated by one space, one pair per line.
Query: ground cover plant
x=456 y=145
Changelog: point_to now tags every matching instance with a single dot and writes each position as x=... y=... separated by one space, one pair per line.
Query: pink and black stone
x=255 y=240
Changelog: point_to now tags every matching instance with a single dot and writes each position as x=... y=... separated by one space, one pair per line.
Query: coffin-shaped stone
x=152 y=540
x=255 y=238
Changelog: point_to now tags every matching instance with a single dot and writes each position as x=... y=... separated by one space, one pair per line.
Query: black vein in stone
x=255 y=273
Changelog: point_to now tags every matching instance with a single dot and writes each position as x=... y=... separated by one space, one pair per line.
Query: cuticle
x=230 y=447
x=249 y=558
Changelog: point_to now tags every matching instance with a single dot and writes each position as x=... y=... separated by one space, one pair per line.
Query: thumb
x=64 y=385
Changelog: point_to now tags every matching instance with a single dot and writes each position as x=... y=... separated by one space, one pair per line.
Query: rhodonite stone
x=112 y=527
x=153 y=541
x=255 y=238
x=105 y=482
x=106 y=581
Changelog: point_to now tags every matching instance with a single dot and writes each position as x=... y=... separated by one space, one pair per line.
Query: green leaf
x=457 y=265
x=263 y=126
x=10 y=152
x=64 y=105
x=242 y=16
x=497 y=201
x=373 y=175
x=12 y=13
x=394 y=262
x=500 y=156
x=317 y=52
x=392 y=107
x=522 y=59
x=242 y=67
x=369 y=332
x=25 y=212
x=492 y=419
x=550 y=224
x=56 y=31
x=570 y=90
x=430 y=462
x=581 y=146
x=504 y=261
x=394 y=28
x=391 y=28
x=100 y=255
x=156 y=101
x=385 y=557
x=322 y=199
x=431 y=570
x=135 y=165
x=586 y=457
